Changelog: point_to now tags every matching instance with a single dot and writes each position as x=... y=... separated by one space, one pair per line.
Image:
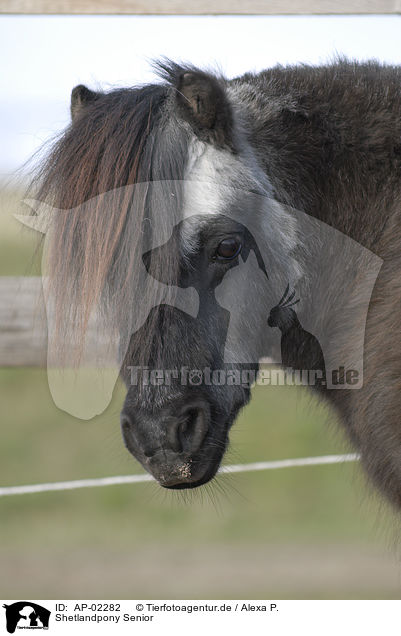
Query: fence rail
x=201 y=7
x=23 y=325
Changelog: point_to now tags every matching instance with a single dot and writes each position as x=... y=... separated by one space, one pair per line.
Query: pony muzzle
x=168 y=443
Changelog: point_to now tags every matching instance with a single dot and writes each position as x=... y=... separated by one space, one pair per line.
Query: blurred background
x=316 y=532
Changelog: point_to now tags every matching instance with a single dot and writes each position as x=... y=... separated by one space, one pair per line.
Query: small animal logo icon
x=300 y=350
x=26 y=615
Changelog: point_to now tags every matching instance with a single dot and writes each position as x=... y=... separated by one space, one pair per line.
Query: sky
x=44 y=57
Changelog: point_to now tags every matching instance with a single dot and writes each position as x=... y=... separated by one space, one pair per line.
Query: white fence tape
x=135 y=479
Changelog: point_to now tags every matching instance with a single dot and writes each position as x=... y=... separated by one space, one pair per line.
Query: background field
x=315 y=532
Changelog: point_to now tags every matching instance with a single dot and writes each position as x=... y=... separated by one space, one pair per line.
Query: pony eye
x=228 y=249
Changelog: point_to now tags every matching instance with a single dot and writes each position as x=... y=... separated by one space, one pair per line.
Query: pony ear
x=80 y=97
x=202 y=101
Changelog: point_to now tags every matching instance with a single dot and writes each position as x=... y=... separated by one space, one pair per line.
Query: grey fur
x=329 y=139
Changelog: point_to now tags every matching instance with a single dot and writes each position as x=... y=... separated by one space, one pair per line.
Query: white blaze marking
x=210 y=179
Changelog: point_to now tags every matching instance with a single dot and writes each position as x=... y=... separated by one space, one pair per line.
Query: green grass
x=313 y=532
x=278 y=510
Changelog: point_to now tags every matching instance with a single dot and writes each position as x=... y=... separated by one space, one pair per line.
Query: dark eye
x=228 y=249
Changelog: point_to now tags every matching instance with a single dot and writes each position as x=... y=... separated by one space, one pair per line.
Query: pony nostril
x=192 y=429
x=185 y=429
x=149 y=452
x=126 y=425
x=129 y=433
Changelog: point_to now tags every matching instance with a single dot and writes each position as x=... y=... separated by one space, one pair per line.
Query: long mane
x=123 y=138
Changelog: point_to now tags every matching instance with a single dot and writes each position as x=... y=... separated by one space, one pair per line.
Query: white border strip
x=135 y=479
